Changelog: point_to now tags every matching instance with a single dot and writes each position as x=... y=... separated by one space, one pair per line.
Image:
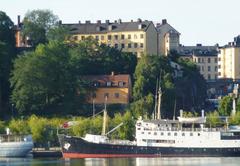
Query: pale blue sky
x=199 y=21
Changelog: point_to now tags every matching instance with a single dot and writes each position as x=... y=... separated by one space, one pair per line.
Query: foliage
x=7 y=54
x=189 y=114
x=58 y=33
x=37 y=24
x=2 y=127
x=235 y=119
x=225 y=106
x=213 y=119
x=19 y=126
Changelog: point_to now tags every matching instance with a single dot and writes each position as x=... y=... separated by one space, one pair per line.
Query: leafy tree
x=213 y=119
x=58 y=33
x=235 y=119
x=37 y=24
x=2 y=127
x=17 y=126
x=225 y=106
x=7 y=54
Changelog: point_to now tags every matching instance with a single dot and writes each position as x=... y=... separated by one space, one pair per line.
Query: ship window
x=139 y=128
x=183 y=134
x=142 y=132
x=191 y=134
x=175 y=134
x=198 y=134
x=155 y=133
x=169 y=134
x=162 y=133
x=149 y=132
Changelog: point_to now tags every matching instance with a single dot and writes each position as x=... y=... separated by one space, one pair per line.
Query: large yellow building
x=112 y=89
x=229 y=60
x=139 y=37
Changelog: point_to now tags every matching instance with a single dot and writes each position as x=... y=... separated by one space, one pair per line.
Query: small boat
x=15 y=145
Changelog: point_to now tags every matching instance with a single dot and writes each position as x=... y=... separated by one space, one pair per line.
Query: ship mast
x=156 y=100
x=104 y=117
x=159 y=101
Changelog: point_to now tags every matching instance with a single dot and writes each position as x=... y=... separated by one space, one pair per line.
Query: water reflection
x=229 y=161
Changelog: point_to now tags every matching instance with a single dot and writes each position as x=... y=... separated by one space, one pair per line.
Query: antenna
x=156 y=100
x=159 y=97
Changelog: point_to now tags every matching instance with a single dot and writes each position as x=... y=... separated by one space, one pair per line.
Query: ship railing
x=121 y=142
x=13 y=138
x=185 y=129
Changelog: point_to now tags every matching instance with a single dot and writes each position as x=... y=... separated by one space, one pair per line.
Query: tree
x=225 y=106
x=37 y=23
x=7 y=54
x=58 y=33
x=42 y=80
x=213 y=119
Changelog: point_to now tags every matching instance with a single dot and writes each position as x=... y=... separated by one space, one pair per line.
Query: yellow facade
x=114 y=96
x=229 y=63
x=208 y=66
x=140 y=41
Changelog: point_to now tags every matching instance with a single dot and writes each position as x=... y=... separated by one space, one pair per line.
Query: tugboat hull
x=75 y=147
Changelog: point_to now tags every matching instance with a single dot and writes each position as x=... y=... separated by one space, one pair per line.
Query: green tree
x=2 y=127
x=7 y=54
x=58 y=33
x=225 y=106
x=37 y=24
x=17 y=126
x=41 y=80
x=213 y=119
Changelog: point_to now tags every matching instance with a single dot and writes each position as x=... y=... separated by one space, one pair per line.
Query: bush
x=18 y=126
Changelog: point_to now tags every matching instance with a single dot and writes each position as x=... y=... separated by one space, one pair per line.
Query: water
x=213 y=161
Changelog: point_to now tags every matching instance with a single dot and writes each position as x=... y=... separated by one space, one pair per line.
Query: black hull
x=79 y=148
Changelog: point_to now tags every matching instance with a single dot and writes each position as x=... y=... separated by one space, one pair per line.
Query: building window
x=109 y=37
x=202 y=68
x=129 y=45
x=120 y=83
x=209 y=68
x=219 y=73
x=219 y=59
x=82 y=37
x=199 y=60
x=102 y=37
x=219 y=66
x=116 y=45
x=97 y=37
x=141 y=45
x=216 y=76
x=75 y=38
x=209 y=77
x=199 y=134
x=116 y=95
x=109 y=83
x=202 y=60
x=215 y=60
x=106 y=95
x=216 y=68
x=122 y=37
x=135 y=45
x=96 y=84
x=155 y=133
x=209 y=60
x=129 y=36
x=162 y=133
x=123 y=45
x=135 y=36
x=116 y=37
x=141 y=36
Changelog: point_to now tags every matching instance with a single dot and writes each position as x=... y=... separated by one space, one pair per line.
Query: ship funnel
x=181 y=113
x=202 y=113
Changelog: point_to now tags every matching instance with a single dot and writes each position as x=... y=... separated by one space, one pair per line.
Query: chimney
x=140 y=26
x=164 y=21
x=181 y=113
x=88 y=22
x=139 y=20
x=119 y=21
x=79 y=22
x=107 y=21
x=115 y=21
x=202 y=113
x=18 y=20
x=98 y=21
x=199 y=45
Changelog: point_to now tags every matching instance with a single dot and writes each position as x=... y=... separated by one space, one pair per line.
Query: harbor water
x=188 y=161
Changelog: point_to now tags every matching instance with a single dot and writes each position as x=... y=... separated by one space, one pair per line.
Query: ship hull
x=75 y=147
x=15 y=149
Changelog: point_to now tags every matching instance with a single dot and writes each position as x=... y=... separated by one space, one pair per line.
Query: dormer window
x=121 y=83
x=109 y=83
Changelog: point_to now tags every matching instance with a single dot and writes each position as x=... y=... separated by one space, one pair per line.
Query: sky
x=199 y=21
